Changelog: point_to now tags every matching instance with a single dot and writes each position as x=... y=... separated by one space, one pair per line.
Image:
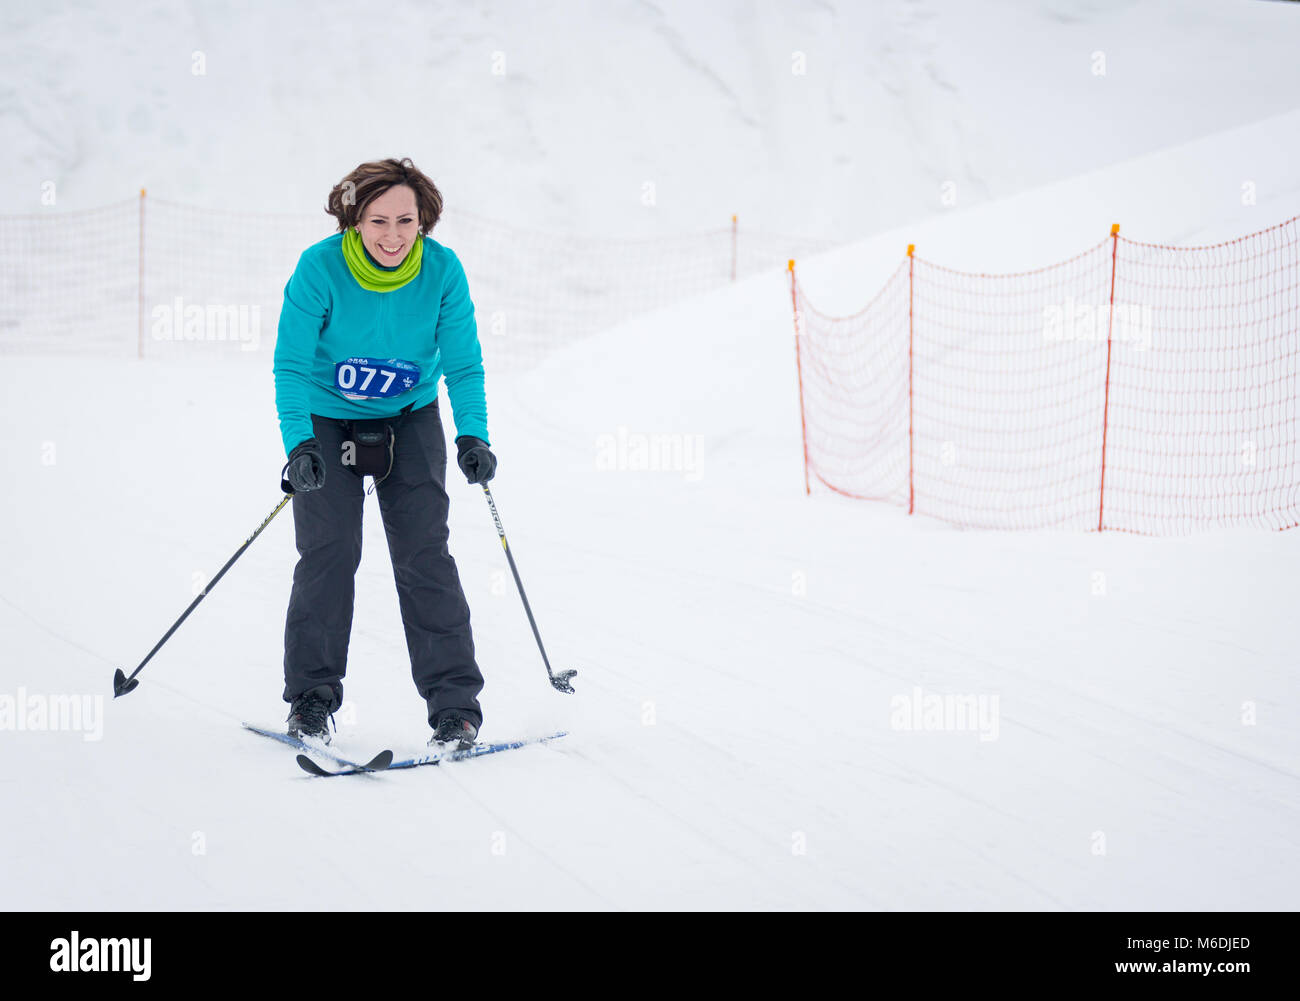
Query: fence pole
x=140 y=285
x=733 y=247
x=798 y=366
x=1105 y=414
x=911 y=446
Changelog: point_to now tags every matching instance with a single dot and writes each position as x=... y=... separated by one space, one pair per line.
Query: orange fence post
x=140 y=302
x=798 y=365
x=1105 y=415
x=911 y=486
x=733 y=247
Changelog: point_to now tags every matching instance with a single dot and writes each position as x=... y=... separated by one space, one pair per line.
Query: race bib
x=372 y=379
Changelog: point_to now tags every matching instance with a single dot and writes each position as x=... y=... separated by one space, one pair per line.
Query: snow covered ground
x=759 y=671
x=748 y=661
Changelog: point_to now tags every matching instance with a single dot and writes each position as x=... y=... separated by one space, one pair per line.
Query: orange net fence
x=160 y=279
x=69 y=282
x=1134 y=387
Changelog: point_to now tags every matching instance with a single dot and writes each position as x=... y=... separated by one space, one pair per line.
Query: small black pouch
x=368 y=447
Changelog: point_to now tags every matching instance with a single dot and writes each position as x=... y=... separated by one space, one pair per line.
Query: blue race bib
x=373 y=379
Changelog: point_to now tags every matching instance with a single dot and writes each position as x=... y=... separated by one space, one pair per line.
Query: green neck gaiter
x=371 y=276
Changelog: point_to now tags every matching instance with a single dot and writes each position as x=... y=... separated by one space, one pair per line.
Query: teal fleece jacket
x=338 y=345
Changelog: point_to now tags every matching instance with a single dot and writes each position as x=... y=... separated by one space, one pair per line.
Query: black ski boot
x=454 y=731
x=309 y=712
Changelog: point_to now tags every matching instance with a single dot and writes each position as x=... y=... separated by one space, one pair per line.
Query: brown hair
x=350 y=197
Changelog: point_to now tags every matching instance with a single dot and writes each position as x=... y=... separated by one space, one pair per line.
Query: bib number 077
x=348 y=378
x=374 y=379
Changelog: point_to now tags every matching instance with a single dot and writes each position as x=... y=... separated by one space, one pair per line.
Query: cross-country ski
x=435 y=758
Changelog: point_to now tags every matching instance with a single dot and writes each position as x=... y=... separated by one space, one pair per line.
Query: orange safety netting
x=163 y=279
x=1134 y=387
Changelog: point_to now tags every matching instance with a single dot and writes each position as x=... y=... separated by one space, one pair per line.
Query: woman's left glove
x=305 y=469
x=475 y=459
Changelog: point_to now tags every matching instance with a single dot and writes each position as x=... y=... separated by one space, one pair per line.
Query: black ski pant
x=327 y=526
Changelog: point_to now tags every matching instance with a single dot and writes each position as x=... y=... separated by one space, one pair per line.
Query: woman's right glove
x=306 y=467
x=475 y=459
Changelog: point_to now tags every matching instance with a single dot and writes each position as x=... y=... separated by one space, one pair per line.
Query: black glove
x=475 y=459
x=306 y=467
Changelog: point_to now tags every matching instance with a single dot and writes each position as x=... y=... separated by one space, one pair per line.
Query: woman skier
x=373 y=316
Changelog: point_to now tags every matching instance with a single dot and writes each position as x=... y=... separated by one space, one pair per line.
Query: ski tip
x=309 y=766
x=376 y=764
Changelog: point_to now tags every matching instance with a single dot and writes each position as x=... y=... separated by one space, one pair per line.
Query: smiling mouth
x=390 y=253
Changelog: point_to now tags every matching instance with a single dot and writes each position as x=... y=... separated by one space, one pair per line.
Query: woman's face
x=390 y=225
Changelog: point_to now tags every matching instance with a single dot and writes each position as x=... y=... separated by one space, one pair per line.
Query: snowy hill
x=828 y=119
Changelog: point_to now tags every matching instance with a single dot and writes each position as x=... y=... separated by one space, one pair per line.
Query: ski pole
x=123 y=684
x=559 y=681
